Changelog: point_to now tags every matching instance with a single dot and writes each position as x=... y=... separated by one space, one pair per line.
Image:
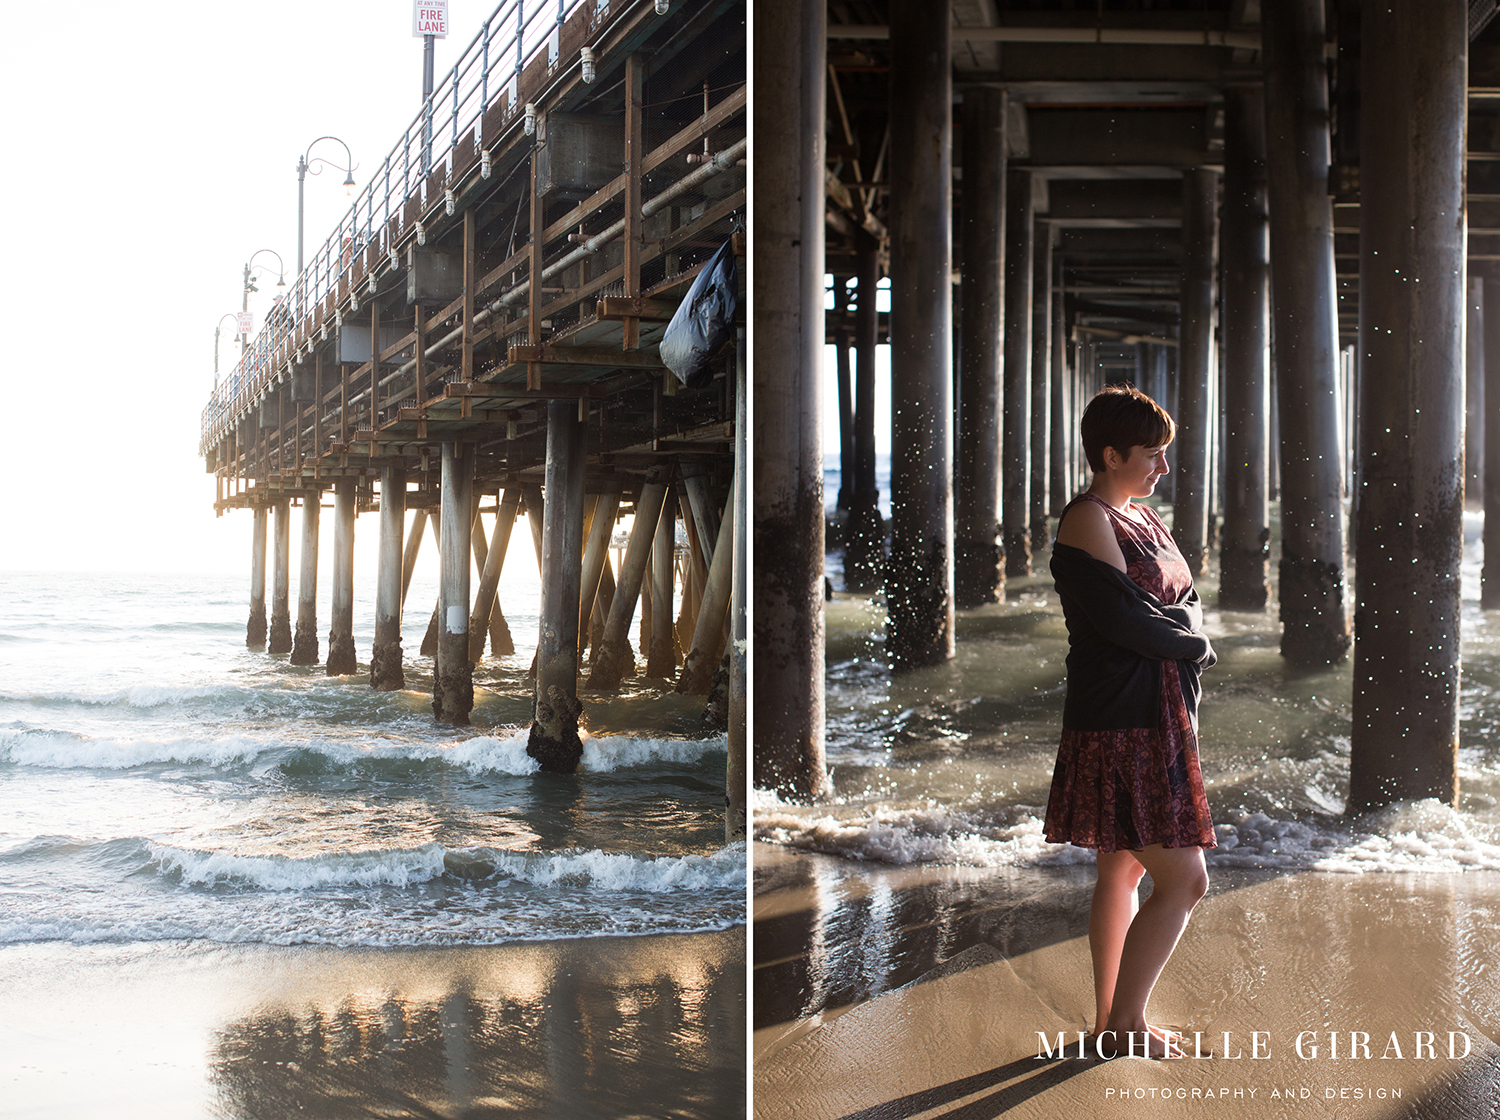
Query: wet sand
x=888 y=992
x=608 y=1027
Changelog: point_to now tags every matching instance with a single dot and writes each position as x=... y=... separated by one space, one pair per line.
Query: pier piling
x=386 y=670
x=1409 y=538
x=614 y=659
x=661 y=654
x=978 y=556
x=453 y=681
x=305 y=647
x=554 y=740
x=341 y=657
x=1195 y=365
x=281 y=584
x=255 y=627
x=1015 y=462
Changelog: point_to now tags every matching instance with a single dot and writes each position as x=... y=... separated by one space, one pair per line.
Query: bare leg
x=1110 y=915
x=1178 y=880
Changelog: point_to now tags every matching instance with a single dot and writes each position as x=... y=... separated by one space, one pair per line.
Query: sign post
x=429 y=19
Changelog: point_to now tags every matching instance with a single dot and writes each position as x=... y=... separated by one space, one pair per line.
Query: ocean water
x=160 y=782
x=951 y=765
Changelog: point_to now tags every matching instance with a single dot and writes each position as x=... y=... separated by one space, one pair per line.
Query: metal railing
x=489 y=67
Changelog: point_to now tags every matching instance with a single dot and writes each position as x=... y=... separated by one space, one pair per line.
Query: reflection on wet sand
x=897 y=992
x=575 y=1029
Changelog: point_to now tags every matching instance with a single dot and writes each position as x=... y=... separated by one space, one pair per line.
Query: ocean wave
x=136 y=696
x=477 y=754
x=1411 y=836
x=405 y=867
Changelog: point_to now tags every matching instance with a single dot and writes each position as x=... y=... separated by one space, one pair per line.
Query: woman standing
x=1127 y=782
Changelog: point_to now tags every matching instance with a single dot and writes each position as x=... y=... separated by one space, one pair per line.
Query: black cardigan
x=1118 y=636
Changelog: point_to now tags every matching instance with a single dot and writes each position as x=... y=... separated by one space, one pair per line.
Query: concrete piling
x=919 y=572
x=864 y=552
x=978 y=557
x=341 y=657
x=614 y=659
x=554 y=740
x=1409 y=538
x=386 y=671
x=485 y=599
x=661 y=653
x=1245 y=554
x=1196 y=367
x=281 y=584
x=1314 y=618
x=305 y=646
x=453 y=680
x=255 y=627
x=1041 y=381
x=1015 y=461
x=1490 y=579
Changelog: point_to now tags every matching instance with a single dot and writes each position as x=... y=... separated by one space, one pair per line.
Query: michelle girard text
x=1309 y=1046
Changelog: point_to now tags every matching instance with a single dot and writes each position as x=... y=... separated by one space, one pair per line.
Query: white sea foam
x=617 y=871
x=1413 y=836
x=136 y=696
x=393 y=868
x=617 y=752
x=62 y=750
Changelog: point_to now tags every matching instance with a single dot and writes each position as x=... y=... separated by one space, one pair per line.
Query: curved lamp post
x=303 y=165
x=217 y=328
x=249 y=286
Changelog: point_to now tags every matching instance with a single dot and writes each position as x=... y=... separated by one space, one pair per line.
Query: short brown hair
x=1122 y=417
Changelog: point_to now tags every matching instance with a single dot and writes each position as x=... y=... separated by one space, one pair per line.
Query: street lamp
x=303 y=164
x=217 y=328
x=249 y=286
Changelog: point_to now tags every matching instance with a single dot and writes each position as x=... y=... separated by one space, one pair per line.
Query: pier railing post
x=255 y=628
x=978 y=558
x=305 y=647
x=1409 y=538
x=554 y=740
x=386 y=671
x=1246 y=552
x=453 y=682
x=1314 y=617
x=281 y=583
x=341 y=657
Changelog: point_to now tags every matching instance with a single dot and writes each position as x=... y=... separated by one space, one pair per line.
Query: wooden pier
x=480 y=333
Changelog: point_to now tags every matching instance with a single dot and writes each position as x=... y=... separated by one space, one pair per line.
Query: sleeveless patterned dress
x=1124 y=789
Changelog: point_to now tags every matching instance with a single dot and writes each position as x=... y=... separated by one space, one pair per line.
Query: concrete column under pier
x=1015 y=468
x=1245 y=555
x=305 y=648
x=1409 y=536
x=486 y=605
x=554 y=740
x=614 y=659
x=386 y=672
x=1041 y=377
x=453 y=680
x=341 y=658
x=978 y=558
x=255 y=627
x=661 y=655
x=738 y=516
x=864 y=555
x=1489 y=595
x=789 y=120
x=1314 y=619
x=281 y=583
x=1195 y=365
x=919 y=573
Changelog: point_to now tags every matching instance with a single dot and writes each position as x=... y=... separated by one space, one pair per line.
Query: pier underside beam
x=1246 y=551
x=386 y=672
x=1314 y=618
x=919 y=574
x=255 y=627
x=281 y=583
x=341 y=657
x=305 y=648
x=1015 y=469
x=554 y=740
x=1409 y=536
x=453 y=682
x=1195 y=366
x=978 y=557
x=789 y=120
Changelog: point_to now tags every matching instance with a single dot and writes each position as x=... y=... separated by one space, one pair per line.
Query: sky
x=152 y=149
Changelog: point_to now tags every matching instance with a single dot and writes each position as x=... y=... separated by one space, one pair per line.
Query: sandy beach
x=605 y=1027
x=891 y=992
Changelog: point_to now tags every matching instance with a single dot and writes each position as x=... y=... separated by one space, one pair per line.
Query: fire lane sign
x=430 y=17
